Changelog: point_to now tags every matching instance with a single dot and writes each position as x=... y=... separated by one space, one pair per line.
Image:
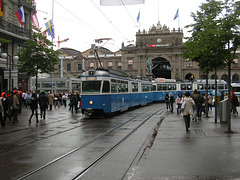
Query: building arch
x=224 y=77
x=235 y=78
x=161 y=68
x=188 y=76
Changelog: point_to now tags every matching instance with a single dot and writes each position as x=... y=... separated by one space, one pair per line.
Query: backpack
x=235 y=100
x=74 y=100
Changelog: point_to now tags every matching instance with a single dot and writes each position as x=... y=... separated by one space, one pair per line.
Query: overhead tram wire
x=109 y=20
x=79 y=18
x=128 y=13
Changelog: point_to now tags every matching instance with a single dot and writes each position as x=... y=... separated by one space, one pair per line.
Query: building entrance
x=161 y=68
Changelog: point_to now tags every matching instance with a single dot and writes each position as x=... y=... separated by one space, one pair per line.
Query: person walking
x=74 y=102
x=179 y=103
x=33 y=103
x=43 y=103
x=50 y=100
x=3 y=122
x=210 y=101
x=6 y=107
x=235 y=103
x=167 y=101
x=171 y=101
x=188 y=109
x=15 y=106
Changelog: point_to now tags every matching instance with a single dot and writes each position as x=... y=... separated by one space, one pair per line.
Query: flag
x=50 y=29
x=176 y=15
x=138 y=17
x=120 y=3
x=34 y=20
x=20 y=15
x=1 y=8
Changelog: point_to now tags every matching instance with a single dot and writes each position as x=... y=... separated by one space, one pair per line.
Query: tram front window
x=91 y=86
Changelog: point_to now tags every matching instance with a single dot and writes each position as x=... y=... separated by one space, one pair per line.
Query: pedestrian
x=74 y=102
x=55 y=102
x=188 y=109
x=179 y=103
x=6 y=107
x=198 y=110
x=235 y=103
x=43 y=103
x=225 y=95
x=210 y=101
x=15 y=106
x=33 y=103
x=64 y=100
x=171 y=101
x=50 y=100
x=3 y=122
x=167 y=101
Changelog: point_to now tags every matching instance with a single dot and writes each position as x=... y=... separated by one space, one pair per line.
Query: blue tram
x=108 y=91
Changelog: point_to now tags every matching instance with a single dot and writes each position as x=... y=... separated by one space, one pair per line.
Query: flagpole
x=52 y=47
x=178 y=18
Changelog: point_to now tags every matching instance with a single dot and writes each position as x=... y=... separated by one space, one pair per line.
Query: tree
x=215 y=38
x=37 y=56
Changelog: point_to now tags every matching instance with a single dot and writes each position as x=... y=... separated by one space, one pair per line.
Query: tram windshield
x=91 y=86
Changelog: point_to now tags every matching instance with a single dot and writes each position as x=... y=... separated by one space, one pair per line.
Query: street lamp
x=12 y=58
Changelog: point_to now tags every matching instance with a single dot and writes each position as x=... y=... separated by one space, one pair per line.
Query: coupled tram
x=108 y=91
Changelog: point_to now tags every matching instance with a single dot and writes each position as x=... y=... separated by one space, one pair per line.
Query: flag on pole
x=138 y=17
x=1 y=8
x=120 y=3
x=34 y=20
x=20 y=15
x=176 y=15
x=50 y=28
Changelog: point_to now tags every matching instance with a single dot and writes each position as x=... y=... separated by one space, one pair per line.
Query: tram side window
x=159 y=87
x=154 y=87
x=183 y=87
x=189 y=87
x=200 y=87
x=165 y=87
x=221 y=86
x=113 y=86
x=106 y=87
x=171 y=87
x=125 y=86
x=134 y=87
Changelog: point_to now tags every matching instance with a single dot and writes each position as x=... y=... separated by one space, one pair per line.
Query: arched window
x=235 y=78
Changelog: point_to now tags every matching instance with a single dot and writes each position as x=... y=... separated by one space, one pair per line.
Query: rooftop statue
x=149 y=65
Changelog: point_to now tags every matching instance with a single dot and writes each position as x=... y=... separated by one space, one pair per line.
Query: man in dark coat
x=43 y=103
x=33 y=103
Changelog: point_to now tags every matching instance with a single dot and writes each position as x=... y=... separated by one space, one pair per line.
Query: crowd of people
x=194 y=105
x=11 y=104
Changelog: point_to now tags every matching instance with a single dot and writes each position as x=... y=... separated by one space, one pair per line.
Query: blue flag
x=138 y=17
x=50 y=29
x=176 y=15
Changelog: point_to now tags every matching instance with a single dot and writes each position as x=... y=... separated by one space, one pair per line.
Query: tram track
x=93 y=162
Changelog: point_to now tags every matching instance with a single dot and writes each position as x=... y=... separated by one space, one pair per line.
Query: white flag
x=34 y=20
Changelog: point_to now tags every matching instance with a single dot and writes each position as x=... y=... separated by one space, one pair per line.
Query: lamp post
x=12 y=58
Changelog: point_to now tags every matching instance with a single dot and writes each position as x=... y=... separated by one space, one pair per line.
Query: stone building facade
x=16 y=35
x=160 y=45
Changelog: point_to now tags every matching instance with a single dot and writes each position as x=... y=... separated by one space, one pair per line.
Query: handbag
x=183 y=106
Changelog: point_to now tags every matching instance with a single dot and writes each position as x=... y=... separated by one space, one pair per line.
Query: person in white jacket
x=188 y=107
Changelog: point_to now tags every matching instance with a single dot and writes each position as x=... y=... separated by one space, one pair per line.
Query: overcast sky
x=83 y=21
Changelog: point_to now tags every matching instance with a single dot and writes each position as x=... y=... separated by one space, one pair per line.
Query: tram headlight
x=90 y=102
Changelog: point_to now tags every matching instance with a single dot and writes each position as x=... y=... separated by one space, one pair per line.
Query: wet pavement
x=206 y=152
